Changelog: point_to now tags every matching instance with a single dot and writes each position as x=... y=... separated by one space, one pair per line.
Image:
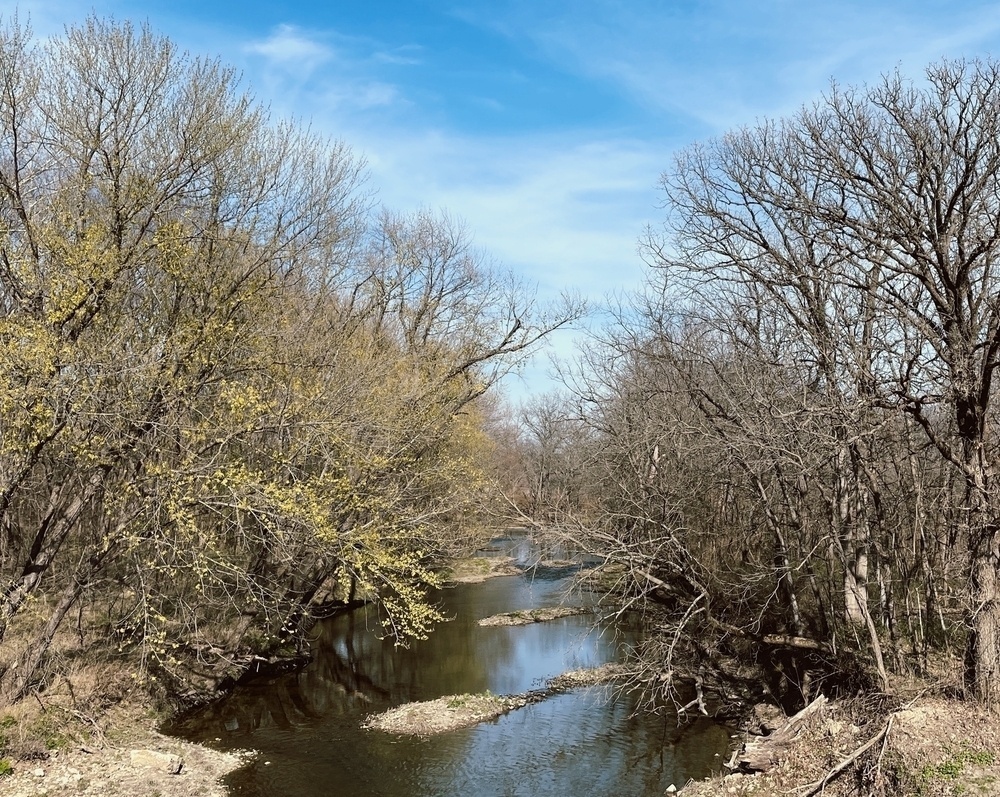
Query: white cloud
x=290 y=47
x=565 y=214
x=358 y=95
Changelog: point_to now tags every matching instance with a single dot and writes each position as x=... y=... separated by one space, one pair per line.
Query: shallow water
x=589 y=741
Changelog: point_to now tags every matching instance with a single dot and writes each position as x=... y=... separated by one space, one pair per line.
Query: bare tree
x=868 y=227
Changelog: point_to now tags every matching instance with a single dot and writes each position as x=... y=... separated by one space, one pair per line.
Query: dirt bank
x=475 y=569
x=926 y=747
x=529 y=616
x=124 y=757
x=448 y=713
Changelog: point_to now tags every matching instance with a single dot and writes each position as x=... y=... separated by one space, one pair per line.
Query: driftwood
x=800 y=642
x=759 y=755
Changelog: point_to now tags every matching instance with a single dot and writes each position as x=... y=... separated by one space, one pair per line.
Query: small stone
x=671 y=789
x=152 y=759
x=39 y=773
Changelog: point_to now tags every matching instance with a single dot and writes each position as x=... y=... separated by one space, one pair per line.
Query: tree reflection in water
x=307 y=724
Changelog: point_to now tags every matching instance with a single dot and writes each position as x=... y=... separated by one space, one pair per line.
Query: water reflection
x=307 y=724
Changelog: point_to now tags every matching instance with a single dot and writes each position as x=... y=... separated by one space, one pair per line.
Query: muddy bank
x=529 y=616
x=451 y=712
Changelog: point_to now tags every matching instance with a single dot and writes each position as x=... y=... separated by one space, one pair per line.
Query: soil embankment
x=139 y=761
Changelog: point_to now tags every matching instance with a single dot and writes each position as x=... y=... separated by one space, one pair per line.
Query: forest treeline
x=785 y=445
x=233 y=390
x=236 y=393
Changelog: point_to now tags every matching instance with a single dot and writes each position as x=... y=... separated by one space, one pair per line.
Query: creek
x=590 y=741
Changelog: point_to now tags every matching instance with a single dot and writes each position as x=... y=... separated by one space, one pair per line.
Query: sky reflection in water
x=306 y=725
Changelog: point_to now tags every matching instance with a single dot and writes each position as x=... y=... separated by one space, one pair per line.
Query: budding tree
x=227 y=393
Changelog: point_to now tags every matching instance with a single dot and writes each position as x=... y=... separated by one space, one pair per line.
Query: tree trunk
x=16 y=682
x=52 y=532
x=983 y=653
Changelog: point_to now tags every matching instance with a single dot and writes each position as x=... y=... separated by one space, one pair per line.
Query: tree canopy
x=232 y=391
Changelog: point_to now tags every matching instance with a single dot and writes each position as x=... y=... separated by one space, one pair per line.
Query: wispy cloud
x=328 y=74
x=290 y=47
x=407 y=55
x=562 y=213
x=725 y=62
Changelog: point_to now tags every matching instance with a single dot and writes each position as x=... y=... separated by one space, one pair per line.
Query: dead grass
x=55 y=748
x=73 y=736
x=934 y=747
x=590 y=676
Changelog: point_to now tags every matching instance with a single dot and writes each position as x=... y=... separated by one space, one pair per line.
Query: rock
x=39 y=773
x=671 y=789
x=152 y=759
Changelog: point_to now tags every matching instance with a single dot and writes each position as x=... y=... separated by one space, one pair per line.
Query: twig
x=819 y=785
x=881 y=754
x=98 y=733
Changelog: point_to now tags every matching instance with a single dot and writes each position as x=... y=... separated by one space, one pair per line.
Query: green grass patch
x=954 y=767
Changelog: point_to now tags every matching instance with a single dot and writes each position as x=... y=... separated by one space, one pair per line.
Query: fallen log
x=762 y=753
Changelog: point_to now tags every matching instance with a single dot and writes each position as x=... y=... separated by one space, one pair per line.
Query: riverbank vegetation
x=236 y=395
x=785 y=446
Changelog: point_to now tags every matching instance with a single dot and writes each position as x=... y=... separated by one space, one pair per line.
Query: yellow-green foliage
x=222 y=393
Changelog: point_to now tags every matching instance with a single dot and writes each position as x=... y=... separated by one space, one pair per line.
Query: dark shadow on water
x=306 y=725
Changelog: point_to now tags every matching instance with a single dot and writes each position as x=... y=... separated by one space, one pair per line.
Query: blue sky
x=545 y=123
